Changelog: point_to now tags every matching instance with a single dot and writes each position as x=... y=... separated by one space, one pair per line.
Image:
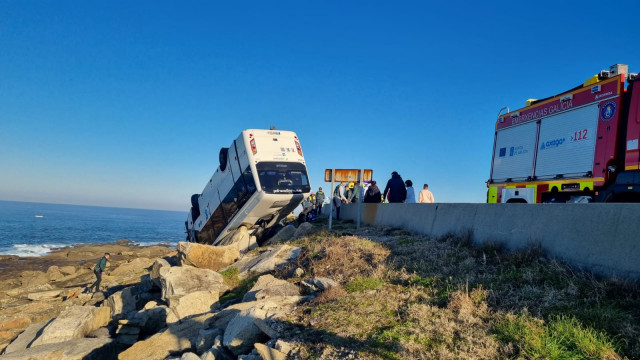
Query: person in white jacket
x=425 y=196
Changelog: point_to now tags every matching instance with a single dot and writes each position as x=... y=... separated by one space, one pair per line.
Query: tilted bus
x=261 y=179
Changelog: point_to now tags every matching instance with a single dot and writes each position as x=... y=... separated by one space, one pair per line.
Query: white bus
x=261 y=179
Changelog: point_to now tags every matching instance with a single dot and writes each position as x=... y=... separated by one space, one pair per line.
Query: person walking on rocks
x=99 y=270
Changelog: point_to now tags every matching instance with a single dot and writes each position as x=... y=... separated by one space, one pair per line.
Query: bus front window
x=283 y=178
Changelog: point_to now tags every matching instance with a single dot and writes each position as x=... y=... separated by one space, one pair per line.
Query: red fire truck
x=577 y=146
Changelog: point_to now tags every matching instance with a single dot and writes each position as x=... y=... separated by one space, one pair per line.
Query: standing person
x=372 y=195
x=319 y=201
x=395 y=191
x=312 y=199
x=98 y=270
x=307 y=208
x=355 y=193
x=338 y=198
x=411 y=195
x=348 y=191
x=425 y=196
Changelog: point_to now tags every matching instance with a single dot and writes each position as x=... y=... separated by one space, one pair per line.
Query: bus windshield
x=283 y=177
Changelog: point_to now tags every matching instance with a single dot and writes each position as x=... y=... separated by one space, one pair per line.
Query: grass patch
x=441 y=298
x=237 y=287
x=363 y=284
x=342 y=258
x=562 y=337
x=406 y=241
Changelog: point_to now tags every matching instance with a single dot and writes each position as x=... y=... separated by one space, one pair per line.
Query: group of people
x=399 y=191
x=312 y=206
x=396 y=191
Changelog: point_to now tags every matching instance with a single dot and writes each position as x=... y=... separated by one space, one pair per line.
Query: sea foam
x=26 y=250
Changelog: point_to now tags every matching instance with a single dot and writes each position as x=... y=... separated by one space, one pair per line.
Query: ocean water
x=33 y=229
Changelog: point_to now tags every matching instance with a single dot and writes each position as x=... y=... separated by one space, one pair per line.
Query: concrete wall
x=602 y=238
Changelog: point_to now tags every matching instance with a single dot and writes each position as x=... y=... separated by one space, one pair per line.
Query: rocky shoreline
x=156 y=302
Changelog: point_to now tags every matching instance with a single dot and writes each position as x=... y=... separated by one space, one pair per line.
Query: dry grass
x=343 y=258
x=404 y=296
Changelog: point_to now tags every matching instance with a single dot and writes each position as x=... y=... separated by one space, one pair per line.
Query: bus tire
x=224 y=156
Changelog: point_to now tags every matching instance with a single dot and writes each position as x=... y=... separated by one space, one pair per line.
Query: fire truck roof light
x=515 y=114
x=567 y=97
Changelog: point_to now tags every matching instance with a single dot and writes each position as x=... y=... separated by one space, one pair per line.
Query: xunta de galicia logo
x=608 y=110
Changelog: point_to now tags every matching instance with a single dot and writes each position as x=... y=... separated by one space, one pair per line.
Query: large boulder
x=176 y=338
x=189 y=356
x=286 y=233
x=320 y=283
x=25 y=338
x=222 y=318
x=267 y=261
x=68 y=270
x=197 y=302
x=54 y=274
x=151 y=320
x=155 y=271
x=123 y=302
x=206 y=256
x=44 y=295
x=242 y=333
x=73 y=323
x=269 y=286
x=303 y=230
x=206 y=339
x=33 y=278
x=240 y=239
x=75 y=349
x=182 y=280
x=133 y=268
x=268 y=353
x=217 y=351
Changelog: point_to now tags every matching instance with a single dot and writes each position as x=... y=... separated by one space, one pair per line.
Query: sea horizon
x=91 y=205
x=35 y=228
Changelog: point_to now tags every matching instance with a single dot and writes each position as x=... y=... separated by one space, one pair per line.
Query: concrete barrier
x=602 y=238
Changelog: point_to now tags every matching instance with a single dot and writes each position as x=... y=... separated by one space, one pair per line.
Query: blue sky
x=126 y=104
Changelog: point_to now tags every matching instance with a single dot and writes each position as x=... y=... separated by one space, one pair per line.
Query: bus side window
x=248 y=179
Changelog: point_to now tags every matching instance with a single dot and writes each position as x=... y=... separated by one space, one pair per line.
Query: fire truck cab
x=578 y=146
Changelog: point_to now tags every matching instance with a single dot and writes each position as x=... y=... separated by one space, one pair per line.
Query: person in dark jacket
x=98 y=270
x=395 y=191
x=372 y=195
